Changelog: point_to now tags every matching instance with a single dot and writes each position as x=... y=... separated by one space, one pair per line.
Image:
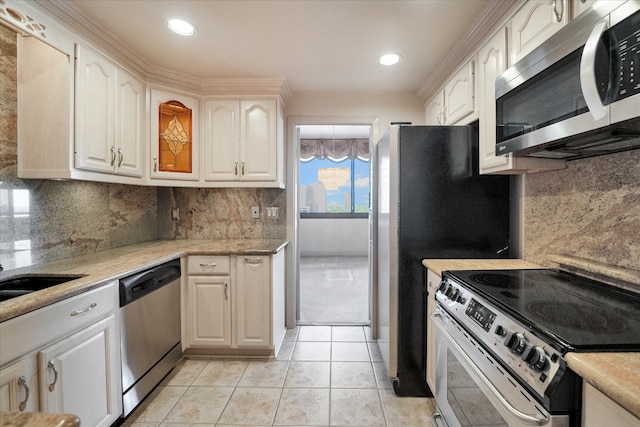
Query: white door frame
x=293 y=154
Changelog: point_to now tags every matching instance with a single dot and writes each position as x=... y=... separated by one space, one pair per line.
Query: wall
x=589 y=210
x=334 y=237
x=60 y=218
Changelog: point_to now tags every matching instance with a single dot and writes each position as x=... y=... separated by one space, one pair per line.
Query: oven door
x=472 y=389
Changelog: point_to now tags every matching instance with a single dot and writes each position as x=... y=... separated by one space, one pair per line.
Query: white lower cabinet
x=19 y=386
x=234 y=304
x=76 y=372
x=65 y=358
x=598 y=410
x=253 y=301
x=209 y=317
x=433 y=281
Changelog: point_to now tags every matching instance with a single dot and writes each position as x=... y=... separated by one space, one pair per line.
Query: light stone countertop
x=101 y=267
x=37 y=419
x=614 y=374
x=440 y=265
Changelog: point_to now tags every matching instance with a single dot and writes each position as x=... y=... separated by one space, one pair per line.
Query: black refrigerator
x=428 y=201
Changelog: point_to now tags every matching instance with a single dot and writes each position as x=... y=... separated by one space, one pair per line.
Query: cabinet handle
x=226 y=288
x=444 y=115
x=52 y=365
x=155 y=163
x=205 y=265
x=555 y=10
x=113 y=155
x=253 y=260
x=236 y=169
x=22 y=381
x=84 y=310
x=242 y=168
x=120 y=157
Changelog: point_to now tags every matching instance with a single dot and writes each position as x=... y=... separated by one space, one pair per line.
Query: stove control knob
x=516 y=342
x=442 y=287
x=535 y=358
x=501 y=331
x=454 y=294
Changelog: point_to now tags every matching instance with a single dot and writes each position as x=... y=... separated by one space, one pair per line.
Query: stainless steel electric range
x=501 y=337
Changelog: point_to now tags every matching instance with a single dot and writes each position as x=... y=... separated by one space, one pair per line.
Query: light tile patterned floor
x=323 y=376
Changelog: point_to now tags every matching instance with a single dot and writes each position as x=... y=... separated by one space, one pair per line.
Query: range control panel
x=530 y=357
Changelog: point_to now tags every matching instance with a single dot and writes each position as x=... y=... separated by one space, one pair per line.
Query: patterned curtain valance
x=335 y=150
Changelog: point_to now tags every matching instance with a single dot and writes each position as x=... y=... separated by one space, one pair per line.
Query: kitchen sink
x=25 y=284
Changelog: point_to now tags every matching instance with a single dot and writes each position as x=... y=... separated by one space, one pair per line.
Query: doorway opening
x=334 y=202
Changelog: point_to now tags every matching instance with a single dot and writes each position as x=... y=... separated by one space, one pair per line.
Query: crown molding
x=87 y=29
x=494 y=16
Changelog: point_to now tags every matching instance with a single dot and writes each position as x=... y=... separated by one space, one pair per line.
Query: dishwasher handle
x=140 y=284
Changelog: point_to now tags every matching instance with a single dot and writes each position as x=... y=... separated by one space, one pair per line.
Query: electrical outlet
x=255 y=212
x=175 y=214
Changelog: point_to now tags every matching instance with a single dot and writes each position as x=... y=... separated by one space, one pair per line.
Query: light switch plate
x=255 y=212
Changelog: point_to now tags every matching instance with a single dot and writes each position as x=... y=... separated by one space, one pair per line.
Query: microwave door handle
x=525 y=418
x=588 y=74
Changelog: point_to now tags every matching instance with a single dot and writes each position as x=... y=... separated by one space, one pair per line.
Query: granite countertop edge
x=614 y=374
x=100 y=268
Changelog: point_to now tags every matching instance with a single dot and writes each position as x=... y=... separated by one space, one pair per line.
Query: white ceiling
x=329 y=45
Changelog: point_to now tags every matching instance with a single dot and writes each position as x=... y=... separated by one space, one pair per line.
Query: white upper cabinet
x=435 y=108
x=243 y=143
x=109 y=116
x=130 y=120
x=222 y=136
x=579 y=6
x=535 y=22
x=95 y=101
x=454 y=104
x=459 y=95
x=45 y=110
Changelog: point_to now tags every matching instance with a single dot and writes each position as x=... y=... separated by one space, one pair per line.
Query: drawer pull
x=52 y=365
x=22 y=381
x=84 y=310
x=253 y=260
x=205 y=265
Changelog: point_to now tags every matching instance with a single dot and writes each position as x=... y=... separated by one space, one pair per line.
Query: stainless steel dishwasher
x=150 y=330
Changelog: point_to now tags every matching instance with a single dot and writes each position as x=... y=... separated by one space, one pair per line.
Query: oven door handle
x=525 y=418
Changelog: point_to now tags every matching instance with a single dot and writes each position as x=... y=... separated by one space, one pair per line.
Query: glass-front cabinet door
x=174 y=136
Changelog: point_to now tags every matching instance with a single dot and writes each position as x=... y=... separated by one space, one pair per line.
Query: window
x=334 y=176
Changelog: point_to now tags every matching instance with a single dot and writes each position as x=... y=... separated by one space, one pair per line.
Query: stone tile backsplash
x=589 y=210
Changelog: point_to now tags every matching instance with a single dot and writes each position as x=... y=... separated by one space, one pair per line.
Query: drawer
x=208 y=264
x=37 y=328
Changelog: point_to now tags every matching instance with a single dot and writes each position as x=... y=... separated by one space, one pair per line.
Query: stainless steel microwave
x=578 y=94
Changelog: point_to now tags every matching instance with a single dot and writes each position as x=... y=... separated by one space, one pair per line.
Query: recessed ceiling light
x=389 y=59
x=181 y=27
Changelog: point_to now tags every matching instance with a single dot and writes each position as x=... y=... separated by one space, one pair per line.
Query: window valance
x=336 y=150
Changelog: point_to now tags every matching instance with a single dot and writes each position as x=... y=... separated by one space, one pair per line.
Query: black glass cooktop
x=584 y=314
